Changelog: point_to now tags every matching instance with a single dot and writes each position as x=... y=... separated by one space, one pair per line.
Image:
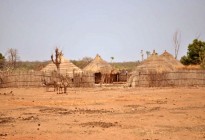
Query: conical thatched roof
x=155 y=63
x=66 y=68
x=169 y=58
x=98 y=65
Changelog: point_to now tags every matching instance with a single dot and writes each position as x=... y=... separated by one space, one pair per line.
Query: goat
x=59 y=87
x=63 y=84
x=49 y=84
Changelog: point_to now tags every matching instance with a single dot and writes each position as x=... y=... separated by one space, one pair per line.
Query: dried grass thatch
x=191 y=67
x=151 y=71
x=154 y=63
x=66 y=68
x=159 y=64
x=170 y=59
x=98 y=65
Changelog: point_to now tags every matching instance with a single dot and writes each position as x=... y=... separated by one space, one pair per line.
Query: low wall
x=34 y=79
x=176 y=78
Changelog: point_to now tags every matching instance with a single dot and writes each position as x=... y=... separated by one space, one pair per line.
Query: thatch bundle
x=66 y=68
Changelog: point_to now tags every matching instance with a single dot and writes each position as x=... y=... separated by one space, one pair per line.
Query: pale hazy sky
x=118 y=28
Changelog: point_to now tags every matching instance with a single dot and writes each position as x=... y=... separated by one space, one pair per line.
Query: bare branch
x=13 y=57
x=198 y=35
x=177 y=43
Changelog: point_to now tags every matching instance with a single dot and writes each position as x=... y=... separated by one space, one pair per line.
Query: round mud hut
x=102 y=70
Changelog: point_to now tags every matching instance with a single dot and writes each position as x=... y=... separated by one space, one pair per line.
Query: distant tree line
x=195 y=56
x=83 y=62
x=11 y=61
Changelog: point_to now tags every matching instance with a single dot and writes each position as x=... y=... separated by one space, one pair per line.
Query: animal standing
x=62 y=85
x=50 y=84
x=59 y=87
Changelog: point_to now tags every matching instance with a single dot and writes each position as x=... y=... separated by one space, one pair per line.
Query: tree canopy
x=195 y=54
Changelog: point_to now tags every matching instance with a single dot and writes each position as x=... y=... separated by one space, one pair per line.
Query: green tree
x=184 y=60
x=2 y=61
x=195 y=54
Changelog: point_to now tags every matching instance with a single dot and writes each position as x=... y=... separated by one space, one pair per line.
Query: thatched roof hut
x=102 y=70
x=66 y=68
x=159 y=63
x=155 y=64
x=98 y=65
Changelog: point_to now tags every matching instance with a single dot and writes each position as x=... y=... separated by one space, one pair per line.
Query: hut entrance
x=115 y=77
x=98 y=77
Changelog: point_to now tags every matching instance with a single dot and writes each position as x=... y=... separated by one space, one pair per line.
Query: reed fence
x=34 y=79
x=176 y=78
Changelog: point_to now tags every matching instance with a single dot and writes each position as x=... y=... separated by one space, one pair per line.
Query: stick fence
x=34 y=79
x=176 y=78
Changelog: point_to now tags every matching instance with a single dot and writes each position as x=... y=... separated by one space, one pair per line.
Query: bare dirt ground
x=103 y=113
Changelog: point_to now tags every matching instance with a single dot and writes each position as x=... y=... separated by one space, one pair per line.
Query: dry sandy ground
x=103 y=113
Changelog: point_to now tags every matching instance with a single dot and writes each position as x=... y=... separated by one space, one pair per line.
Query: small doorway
x=98 y=77
x=115 y=77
